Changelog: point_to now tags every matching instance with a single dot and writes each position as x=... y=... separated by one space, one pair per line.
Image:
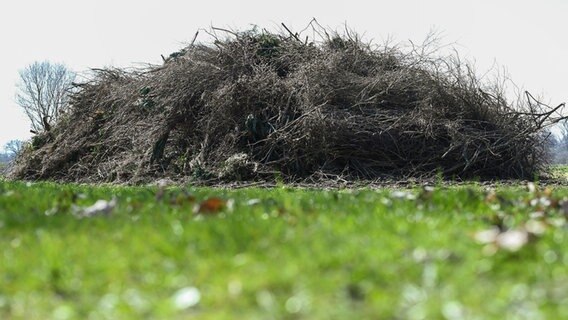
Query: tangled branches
x=252 y=104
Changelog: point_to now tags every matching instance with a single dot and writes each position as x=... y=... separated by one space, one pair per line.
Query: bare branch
x=295 y=35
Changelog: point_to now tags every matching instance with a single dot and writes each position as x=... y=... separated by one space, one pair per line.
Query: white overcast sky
x=528 y=38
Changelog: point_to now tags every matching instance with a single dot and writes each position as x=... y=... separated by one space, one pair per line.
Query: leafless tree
x=43 y=93
x=559 y=144
x=563 y=137
x=13 y=147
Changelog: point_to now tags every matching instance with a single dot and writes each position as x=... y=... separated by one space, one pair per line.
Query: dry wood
x=330 y=107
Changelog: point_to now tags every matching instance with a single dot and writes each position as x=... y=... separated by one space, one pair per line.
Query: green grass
x=291 y=254
x=560 y=172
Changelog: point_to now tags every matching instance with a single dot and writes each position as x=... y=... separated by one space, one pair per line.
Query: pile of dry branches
x=252 y=105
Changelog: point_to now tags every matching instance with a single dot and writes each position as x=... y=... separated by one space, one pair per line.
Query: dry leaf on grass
x=210 y=205
x=512 y=240
x=253 y=202
x=101 y=207
x=487 y=236
x=186 y=298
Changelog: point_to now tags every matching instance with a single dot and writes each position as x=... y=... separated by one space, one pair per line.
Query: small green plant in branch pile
x=269 y=45
x=145 y=101
x=338 y=43
x=177 y=54
x=198 y=172
x=39 y=140
x=268 y=48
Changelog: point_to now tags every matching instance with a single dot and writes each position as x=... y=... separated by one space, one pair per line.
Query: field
x=461 y=252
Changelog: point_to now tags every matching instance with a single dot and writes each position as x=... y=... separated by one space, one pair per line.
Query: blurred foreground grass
x=282 y=253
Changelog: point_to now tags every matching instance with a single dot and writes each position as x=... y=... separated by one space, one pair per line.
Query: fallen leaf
x=557 y=222
x=399 y=194
x=52 y=211
x=211 y=205
x=100 y=207
x=186 y=298
x=512 y=240
x=253 y=202
x=537 y=215
x=490 y=197
x=426 y=193
x=164 y=183
x=230 y=205
x=535 y=227
x=487 y=236
x=541 y=202
x=531 y=187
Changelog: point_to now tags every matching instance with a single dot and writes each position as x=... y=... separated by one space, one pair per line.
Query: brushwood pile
x=257 y=105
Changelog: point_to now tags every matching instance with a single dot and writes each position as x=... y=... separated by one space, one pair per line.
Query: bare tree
x=563 y=137
x=43 y=93
x=559 y=144
x=13 y=147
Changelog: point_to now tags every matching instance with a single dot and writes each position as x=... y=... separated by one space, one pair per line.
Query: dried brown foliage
x=259 y=103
